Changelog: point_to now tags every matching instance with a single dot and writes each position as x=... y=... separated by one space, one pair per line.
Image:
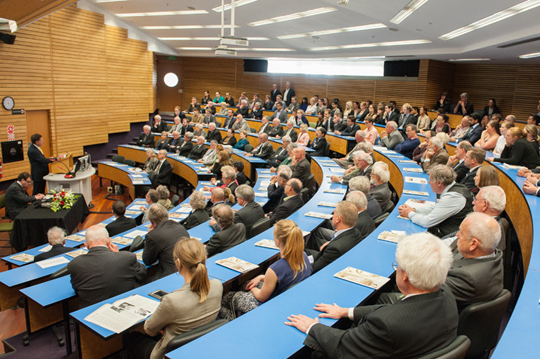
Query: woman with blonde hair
x=196 y=303
x=531 y=131
x=486 y=176
x=228 y=195
x=348 y=109
x=518 y=151
x=303 y=136
x=292 y=268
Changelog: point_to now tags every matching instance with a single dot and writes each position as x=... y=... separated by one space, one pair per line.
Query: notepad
x=178 y=215
x=133 y=212
x=265 y=171
x=23 y=257
x=331 y=165
x=319 y=215
x=76 y=238
x=122 y=240
x=394 y=156
x=361 y=277
x=512 y=167
x=237 y=264
x=267 y=243
x=419 y=193
x=56 y=261
x=327 y=204
x=417 y=170
x=337 y=190
x=415 y=180
x=138 y=182
x=140 y=202
x=391 y=236
x=407 y=161
x=136 y=233
x=46 y=248
x=78 y=252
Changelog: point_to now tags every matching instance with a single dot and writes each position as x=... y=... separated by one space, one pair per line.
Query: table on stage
x=31 y=225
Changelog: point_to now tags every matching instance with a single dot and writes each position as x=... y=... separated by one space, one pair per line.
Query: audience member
x=186 y=127
x=222 y=160
x=197 y=201
x=518 y=151
x=363 y=164
x=213 y=133
x=162 y=173
x=379 y=177
x=146 y=138
x=265 y=126
x=280 y=154
x=457 y=161
x=209 y=117
x=57 y=238
x=210 y=155
x=193 y=105
x=187 y=145
x=276 y=188
x=217 y=196
x=230 y=235
x=464 y=107
x=347 y=161
x=391 y=137
x=175 y=143
x=230 y=140
x=279 y=113
x=164 y=194
x=407 y=147
x=303 y=138
x=240 y=124
x=151 y=197
x=17 y=198
x=277 y=129
x=300 y=165
x=121 y=223
x=292 y=201
x=199 y=149
x=177 y=125
x=443 y=103
x=531 y=133
x=424 y=122
x=251 y=211
x=486 y=176
x=362 y=184
x=350 y=129
x=319 y=143
x=158 y=125
x=274 y=93
x=435 y=154
x=162 y=143
x=475 y=130
x=288 y=93
x=490 y=136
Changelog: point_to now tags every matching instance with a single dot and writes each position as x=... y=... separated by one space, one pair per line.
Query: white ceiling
x=430 y=21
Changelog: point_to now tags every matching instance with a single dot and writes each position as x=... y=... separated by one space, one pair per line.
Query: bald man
x=300 y=165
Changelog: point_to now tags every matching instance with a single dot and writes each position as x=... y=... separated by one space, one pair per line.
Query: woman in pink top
x=371 y=131
x=303 y=136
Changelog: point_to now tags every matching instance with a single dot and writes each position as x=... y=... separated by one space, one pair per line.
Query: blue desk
x=121 y=173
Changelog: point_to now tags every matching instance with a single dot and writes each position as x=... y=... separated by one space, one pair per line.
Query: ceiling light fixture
x=98 y=1
x=236 y=49
x=499 y=16
x=163 y=13
x=185 y=27
x=477 y=59
x=206 y=38
x=298 y=15
x=333 y=31
x=411 y=7
x=236 y=4
x=374 y=44
x=530 y=56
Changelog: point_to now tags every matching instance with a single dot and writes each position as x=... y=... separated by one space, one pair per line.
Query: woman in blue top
x=218 y=99
x=241 y=144
x=304 y=104
x=292 y=268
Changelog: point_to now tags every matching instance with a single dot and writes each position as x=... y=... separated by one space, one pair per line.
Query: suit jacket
x=282 y=116
x=439 y=158
x=265 y=128
x=39 y=164
x=290 y=95
x=472 y=135
x=214 y=135
x=229 y=122
x=159 y=246
x=197 y=118
x=373 y=207
x=287 y=208
x=174 y=144
x=101 y=274
x=175 y=128
x=159 y=128
x=241 y=126
x=264 y=151
x=244 y=111
x=275 y=193
x=146 y=140
x=164 y=174
x=336 y=248
x=196 y=217
x=474 y=280
x=291 y=133
x=468 y=180
x=249 y=215
x=226 y=239
x=340 y=126
x=350 y=131
x=208 y=119
x=392 y=140
x=276 y=131
x=185 y=129
x=16 y=200
x=256 y=114
x=185 y=148
x=279 y=155
x=364 y=224
x=383 y=195
x=56 y=250
x=119 y=225
x=301 y=170
x=197 y=152
x=274 y=94
x=209 y=157
x=461 y=170
x=406 y=329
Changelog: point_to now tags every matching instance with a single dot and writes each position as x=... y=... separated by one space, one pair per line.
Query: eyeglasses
x=395 y=265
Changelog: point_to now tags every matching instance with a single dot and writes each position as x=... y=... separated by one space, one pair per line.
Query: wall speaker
x=7 y=38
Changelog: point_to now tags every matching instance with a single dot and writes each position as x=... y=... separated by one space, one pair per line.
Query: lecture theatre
x=269 y=179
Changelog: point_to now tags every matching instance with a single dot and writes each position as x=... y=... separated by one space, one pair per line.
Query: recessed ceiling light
x=206 y=38
x=236 y=4
x=530 y=56
x=477 y=59
x=186 y=27
x=411 y=7
x=236 y=49
x=374 y=44
x=98 y=1
x=163 y=13
x=333 y=31
x=298 y=15
x=196 y=48
x=499 y=16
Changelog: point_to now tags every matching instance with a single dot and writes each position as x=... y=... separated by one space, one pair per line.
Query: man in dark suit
x=276 y=189
x=146 y=139
x=457 y=161
x=186 y=146
x=213 y=133
x=243 y=109
x=280 y=113
x=351 y=128
x=274 y=93
x=16 y=197
x=380 y=175
x=290 y=131
x=162 y=174
x=288 y=93
x=121 y=223
x=390 y=114
x=230 y=235
x=229 y=120
x=300 y=165
x=39 y=164
x=158 y=126
x=475 y=130
x=474 y=159
x=198 y=150
x=103 y=272
x=292 y=202
x=251 y=211
x=264 y=150
x=407 y=329
x=337 y=123
x=186 y=127
x=57 y=239
x=265 y=127
x=281 y=153
x=160 y=241
x=216 y=197
x=175 y=142
x=319 y=142
x=277 y=129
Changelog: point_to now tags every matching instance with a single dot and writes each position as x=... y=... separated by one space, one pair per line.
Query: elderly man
x=291 y=203
x=300 y=165
x=210 y=106
x=288 y=93
x=264 y=150
x=185 y=148
x=294 y=105
x=265 y=127
x=151 y=197
x=158 y=125
x=57 y=238
x=457 y=161
x=251 y=211
x=279 y=113
x=391 y=137
x=350 y=130
x=276 y=188
x=177 y=125
x=216 y=197
x=446 y=215
x=103 y=272
x=230 y=235
x=407 y=329
x=290 y=131
x=198 y=150
x=274 y=93
x=379 y=177
x=363 y=164
x=277 y=129
x=348 y=161
x=240 y=124
x=146 y=139
x=474 y=159
x=243 y=109
x=175 y=143
x=461 y=130
x=435 y=154
x=163 y=172
x=17 y=198
x=121 y=223
x=281 y=153
x=407 y=147
x=257 y=111
x=213 y=133
x=362 y=184
x=464 y=107
x=210 y=155
x=160 y=241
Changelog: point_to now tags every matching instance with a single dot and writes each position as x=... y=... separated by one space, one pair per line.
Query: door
x=38 y=122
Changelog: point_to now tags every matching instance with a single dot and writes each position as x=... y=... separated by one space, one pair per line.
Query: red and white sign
x=11 y=133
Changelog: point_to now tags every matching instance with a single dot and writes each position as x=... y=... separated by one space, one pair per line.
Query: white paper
x=178 y=215
x=236 y=264
x=138 y=182
x=136 y=233
x=261 y=194
x=330 y=165
x=337 y=190
x=206 y=183
x=415 y=180
x=363 y=278
x=78 y=252
x=140 y=202
x=183 y=210
x=264 y=176
x=418 y=170
x=327 y=204
x=23 y=257
x=267 y=243
x=418 y=193
x=326 y=161
x=407 y=161
x=305 y=233
x=265 y=171
x=265 y=183
x=337 y=170
x=46 y=248
x=52 y=262
x=122 y=241
x=137 y=176
x=76 y=238
x=319 y=215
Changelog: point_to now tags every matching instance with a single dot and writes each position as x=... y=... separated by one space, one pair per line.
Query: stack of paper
x=122 y=240
x=392 y=236
x=139 y=255
x=237 y=264
x=337 y=170
x=78 y=252
x=415 y=180
x=407 y=161
x=267 y=243
x=56 y=261
x=23 y=257
x=183 y=210
x=261 y=194
x=363 y=278
x=133 y=212
x=319 y=215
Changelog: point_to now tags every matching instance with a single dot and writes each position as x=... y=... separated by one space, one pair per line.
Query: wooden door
x=38 y=122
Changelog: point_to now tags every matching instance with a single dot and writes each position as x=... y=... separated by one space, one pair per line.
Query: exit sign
x=171 y=57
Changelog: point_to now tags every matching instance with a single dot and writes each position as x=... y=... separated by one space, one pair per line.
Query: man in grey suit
x=16 y=197
x=198 y=150
x=251 y=211
x=290 y=131
x=408 y=328
x=103 y=272
x=280 y=113
x=363 y=165
x=281 y=153
x=265 y=126
x=380 y=175
x=230 y=235
x=264 y=150
x=391 y=137
x=347 y=161
x=291 y=202
x=300 y=165
x=277 y=129
x=240 y=124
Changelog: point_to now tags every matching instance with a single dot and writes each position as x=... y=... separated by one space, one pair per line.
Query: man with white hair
x=464 y=107
x=281 y=153
x=210 y=155
x=457 y=161
x=363 y=184
x=251 y=212
x=198 y=150
x=213 y=133
x=445 y=216
x=288 y=93
x=177 y=125
x=277 y=129
x=391 y=137
x=265 y=127
x=435 y=154
x=379 y=177
x=363 y=164
x=103 y=272
x=264 y=150
x=348 y=160
x=240 y=124
x=162 y=174
x=290 y=131
x=187 y=145
x=274 y=93
x=408 y=328
x=158 y=125
x=243 y=109
x=57 y=239
x=175 y=142
x=300 y=165
x=146 y=139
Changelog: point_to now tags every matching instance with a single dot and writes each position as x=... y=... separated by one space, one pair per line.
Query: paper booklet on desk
x=319 y=215
x=123 y=314
x=56 y=261
x=417 y=170
x=267 y=243
x=512 y=167
x=178 y=215
x=78 y=252
x=337 y=190
x=415 y=180
x=140 y=202
x=261 y=194
x=337 y=170
x=392 y=236
x=363 y=278
x=185 y=205
x=407 y=161
x=136 y=233
x=327 y=204
x=265 y=176
x=418 y=203
x=122 y=240
x=133 y=212
x=76 y=238
x=25 y=258
x=183 y=210
x=236 y=264
x=419 y=193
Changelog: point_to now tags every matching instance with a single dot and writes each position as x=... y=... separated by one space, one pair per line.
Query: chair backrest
x=138 y=243
x=312 y=125
x=129 y=162
x=305 y=194
x=252 y=130
x=248 y=148
x=193 y=334
x=481 y=322
x=262 y=225
x=456 y=350
x=175 y=200
x=118 y=158
x=59 y=273
x=381 y=218
x=2 y=200
x=327 y=149
x=503 y=223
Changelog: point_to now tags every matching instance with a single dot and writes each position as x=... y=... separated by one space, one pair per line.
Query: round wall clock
x=8 y=103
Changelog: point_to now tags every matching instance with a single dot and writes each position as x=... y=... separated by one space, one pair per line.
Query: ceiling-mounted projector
x=223 y=51
x=232 y=40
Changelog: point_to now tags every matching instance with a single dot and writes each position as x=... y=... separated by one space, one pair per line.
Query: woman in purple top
x=293 y=267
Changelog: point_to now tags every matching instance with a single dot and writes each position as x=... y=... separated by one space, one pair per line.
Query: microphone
x=68 y=174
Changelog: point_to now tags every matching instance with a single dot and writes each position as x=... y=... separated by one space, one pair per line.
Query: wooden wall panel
x=527 y=91
x=91 y=78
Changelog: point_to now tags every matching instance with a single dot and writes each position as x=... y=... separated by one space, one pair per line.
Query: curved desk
x=121 y=173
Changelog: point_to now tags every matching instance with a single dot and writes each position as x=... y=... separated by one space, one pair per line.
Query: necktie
x=40 y=150
x=159 y=167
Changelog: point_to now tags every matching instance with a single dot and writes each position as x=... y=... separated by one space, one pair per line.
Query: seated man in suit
x=213 y=133
x=280 y=113
x=363 y=164
x=16 y=197
x=198 y=150
x=351 y=128
x=163 y=172
x=281 y=153
x=457 y=161
x=276 y=130
x=445 y=216
x=256 y=112
x=57 y=238
x=291 y=203
x=391 y=137
x=363 y=184
x=186 y=127
x=197 y=200
x=160 y=240
x=177 y=125
x=187 y=145
x=230 y=235
x=240 y=175
x=337 y=123
x=276 y=188
x=210 y=155
x=175 y=142
x=435 y=154
x=103 y=272
x=265 y=127
x=290 y=131
x=475 y=130
x=379 y=177
x=217 y=196
x=264 y=150
x=151 y=197
x=229 y=120
x=300 y=165
x=344 y=237
x=407 y=329
x=243 y=109
x=319 y=142
x=251 y=211
x=146 y=139
x=474 y=159
x=348 y=161
x=240 y=124
x=158 y=126
x=121 y=222
x=208 y=117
